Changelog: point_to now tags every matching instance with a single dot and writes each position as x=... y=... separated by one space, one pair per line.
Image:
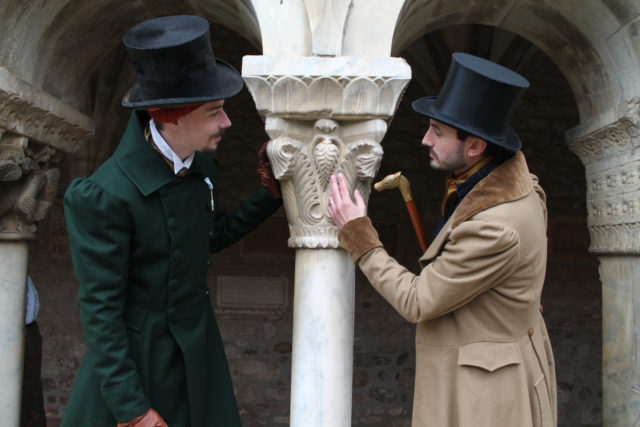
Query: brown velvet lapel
x=508 y=182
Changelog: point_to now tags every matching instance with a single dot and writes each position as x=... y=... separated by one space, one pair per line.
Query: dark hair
x=159 y=125
x=492 y=150
x=462 y=134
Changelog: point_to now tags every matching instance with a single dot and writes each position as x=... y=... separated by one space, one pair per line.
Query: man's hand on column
x=265 y=173
x=150 y=419
x=341 y=208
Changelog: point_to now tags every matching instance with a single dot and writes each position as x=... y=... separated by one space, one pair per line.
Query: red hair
x=166 y=115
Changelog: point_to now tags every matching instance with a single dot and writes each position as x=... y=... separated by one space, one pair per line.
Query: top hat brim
x=231 y=84
x=427 y=107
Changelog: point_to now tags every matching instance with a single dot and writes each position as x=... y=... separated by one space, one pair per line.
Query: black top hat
x=478 y=96
x=174 y=63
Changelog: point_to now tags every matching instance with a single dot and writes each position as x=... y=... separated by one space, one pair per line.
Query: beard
x=454 y=162
x=212 y=149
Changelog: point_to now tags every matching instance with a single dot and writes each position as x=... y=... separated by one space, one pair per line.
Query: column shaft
x=322 y=362
x=13 y=259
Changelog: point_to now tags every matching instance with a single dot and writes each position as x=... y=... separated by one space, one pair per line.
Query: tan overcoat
x=483 y=356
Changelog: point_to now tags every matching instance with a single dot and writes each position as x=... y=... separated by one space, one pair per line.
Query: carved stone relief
x=613 y=185
x=324 y=116
x=27 y=110
x=308 y=88
x=27 y=185
x=612 y=140
x=304 y=155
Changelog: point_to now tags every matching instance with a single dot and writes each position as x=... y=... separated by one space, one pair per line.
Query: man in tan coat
x=483 y=356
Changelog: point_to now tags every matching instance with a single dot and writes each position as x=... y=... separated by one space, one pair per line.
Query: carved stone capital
x=304 y=155
x=324 y=116
x=29 y=111
x=27 y=185
x=610 y=141
x=310 y=88
x=612 y=168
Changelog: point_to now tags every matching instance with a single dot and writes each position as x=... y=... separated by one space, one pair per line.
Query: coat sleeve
x=99 y=230
x=477 y=256
x=229 y=227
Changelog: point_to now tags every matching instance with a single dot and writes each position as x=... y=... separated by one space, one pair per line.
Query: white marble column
x=322 y=365
x=13 y=259
x=28 y=188
x=326 y=88
x=608 y=147
x=324 y=116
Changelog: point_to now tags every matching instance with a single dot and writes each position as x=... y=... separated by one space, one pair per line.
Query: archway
x=62 y=69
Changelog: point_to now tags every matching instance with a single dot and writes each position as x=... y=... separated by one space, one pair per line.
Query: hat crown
x=166 y=31
x=174 y=63
x=480 y=97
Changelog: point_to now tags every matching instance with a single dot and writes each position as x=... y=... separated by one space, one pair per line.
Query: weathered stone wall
x=257 y=328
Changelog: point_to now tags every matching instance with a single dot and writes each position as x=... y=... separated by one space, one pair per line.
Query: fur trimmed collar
x=508 y=182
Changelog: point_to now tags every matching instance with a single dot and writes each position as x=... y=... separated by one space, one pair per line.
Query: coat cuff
x=358 y=237
x=126 y=400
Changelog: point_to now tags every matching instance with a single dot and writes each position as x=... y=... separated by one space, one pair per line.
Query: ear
x=476 y=146
x=171 y=126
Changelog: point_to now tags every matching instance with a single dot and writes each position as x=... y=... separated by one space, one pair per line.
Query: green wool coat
x=140 y=239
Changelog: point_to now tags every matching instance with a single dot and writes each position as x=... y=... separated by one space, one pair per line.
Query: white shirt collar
x=166 y=150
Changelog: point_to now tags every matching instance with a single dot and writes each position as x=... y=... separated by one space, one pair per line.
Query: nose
x=427 y=140
x=225 y=121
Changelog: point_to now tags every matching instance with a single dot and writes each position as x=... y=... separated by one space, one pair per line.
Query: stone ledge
x=32 y=112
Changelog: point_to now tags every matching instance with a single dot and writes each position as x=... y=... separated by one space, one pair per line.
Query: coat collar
x=489 y=192
x=143 y=165
x=508 y=182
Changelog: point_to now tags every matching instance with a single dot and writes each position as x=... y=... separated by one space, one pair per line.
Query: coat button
x=208 y=263
x=211 y=234
x=177 y=253
x=530 y=331
x=174 y=283
x=172 y=222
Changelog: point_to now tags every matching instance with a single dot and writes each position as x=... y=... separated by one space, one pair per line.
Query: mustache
x=220 y=133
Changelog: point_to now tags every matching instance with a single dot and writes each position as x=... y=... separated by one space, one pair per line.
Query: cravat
x=451 y=184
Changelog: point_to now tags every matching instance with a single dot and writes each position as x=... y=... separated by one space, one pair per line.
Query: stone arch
x=589 y=45
x=62 y=46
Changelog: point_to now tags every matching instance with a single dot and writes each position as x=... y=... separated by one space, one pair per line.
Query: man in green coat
x=141 y=228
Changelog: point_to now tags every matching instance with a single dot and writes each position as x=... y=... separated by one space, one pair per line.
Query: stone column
x=608 y=147
x=324 y=116
x=27 y=189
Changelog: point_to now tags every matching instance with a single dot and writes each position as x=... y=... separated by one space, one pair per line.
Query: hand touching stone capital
x=341 y=208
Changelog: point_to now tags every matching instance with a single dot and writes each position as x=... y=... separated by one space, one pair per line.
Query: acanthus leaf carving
x=27 y=186
x=304 y=170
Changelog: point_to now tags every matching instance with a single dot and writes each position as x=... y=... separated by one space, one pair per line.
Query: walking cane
x=397 y=180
